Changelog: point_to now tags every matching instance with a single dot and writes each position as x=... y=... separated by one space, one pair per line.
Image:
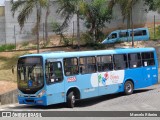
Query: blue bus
x=58 y=77
x=140 y=34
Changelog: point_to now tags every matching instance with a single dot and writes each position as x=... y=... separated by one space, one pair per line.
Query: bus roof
x=124 y=30
x=89 y=53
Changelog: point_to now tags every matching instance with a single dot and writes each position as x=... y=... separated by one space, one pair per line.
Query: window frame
x=138 y=33
x=111 y=36
x=148 y=59
x=49 y=83
x=122 y=33
x=140 y=60
x=86 y=65
x=114 y=63
x=71 y=66
x=111 y=62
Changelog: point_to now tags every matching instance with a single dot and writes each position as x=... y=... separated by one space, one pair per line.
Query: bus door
x=149 y=67
x=54 y=81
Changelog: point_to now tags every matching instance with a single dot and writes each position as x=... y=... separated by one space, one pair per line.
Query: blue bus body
x=142 y=73
x=140 y=34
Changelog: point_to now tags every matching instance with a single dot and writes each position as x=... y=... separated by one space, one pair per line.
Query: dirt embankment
x=6 y=86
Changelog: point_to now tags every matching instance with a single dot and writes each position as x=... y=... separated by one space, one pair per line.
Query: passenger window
x=120 y=61
x=134 y=60
x=123 y=34
x=71 y=66
x=144 y=32
x=139 y=33
x=54 y=72
x=148 y=59
x=104 y=63
x=87 y=65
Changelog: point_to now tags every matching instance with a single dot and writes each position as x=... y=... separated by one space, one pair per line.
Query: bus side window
x=134 y=60
x=120 y=61
x=123 y=34
x=139 y=33
x=104 y=63
x=148 y=59
x=144 y=32
x=87 y=65
x=71 y=66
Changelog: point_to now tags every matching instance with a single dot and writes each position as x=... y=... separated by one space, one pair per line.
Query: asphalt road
x=146 y=99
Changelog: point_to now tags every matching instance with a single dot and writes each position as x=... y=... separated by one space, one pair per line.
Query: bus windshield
x=30 y=74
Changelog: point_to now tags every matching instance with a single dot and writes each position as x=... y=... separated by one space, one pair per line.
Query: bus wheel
x=128 y=88
x=71 y=100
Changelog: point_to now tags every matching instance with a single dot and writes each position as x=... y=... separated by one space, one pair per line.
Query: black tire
x=128 y=88
x=71 y=100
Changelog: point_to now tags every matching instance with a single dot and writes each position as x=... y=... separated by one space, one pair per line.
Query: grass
x=6 y=75
x=7 y=47
x=157 y=33
x=6 y=64
x=6 y=68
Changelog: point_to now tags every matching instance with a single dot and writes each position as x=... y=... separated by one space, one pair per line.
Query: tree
x=153 y=5
x=67 y=9
x=48 y=4
x=95 y=13
x=126 y=10
x=26 y=8
x=46 y=19
x=126 y=7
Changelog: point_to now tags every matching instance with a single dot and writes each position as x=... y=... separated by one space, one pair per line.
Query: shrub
x=98 y=46
x=7 y=47
x=87 y=39
x=25 y=44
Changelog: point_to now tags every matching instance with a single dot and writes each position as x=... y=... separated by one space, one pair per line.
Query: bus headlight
x=41 y=93
x=20 y=94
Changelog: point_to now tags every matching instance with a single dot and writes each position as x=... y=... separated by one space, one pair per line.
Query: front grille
x=29 y=101
x=26 y=96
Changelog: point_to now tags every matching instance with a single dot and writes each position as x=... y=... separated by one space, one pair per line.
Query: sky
x=2 y=2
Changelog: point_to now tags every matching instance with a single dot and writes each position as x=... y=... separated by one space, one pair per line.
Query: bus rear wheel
x=128 y=88
x=71 y=100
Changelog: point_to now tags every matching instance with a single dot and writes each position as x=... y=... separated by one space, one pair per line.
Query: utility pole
x=15 y=37
x=38 y=22
x=132 y=24
x=154 y=27
x=78 y=28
